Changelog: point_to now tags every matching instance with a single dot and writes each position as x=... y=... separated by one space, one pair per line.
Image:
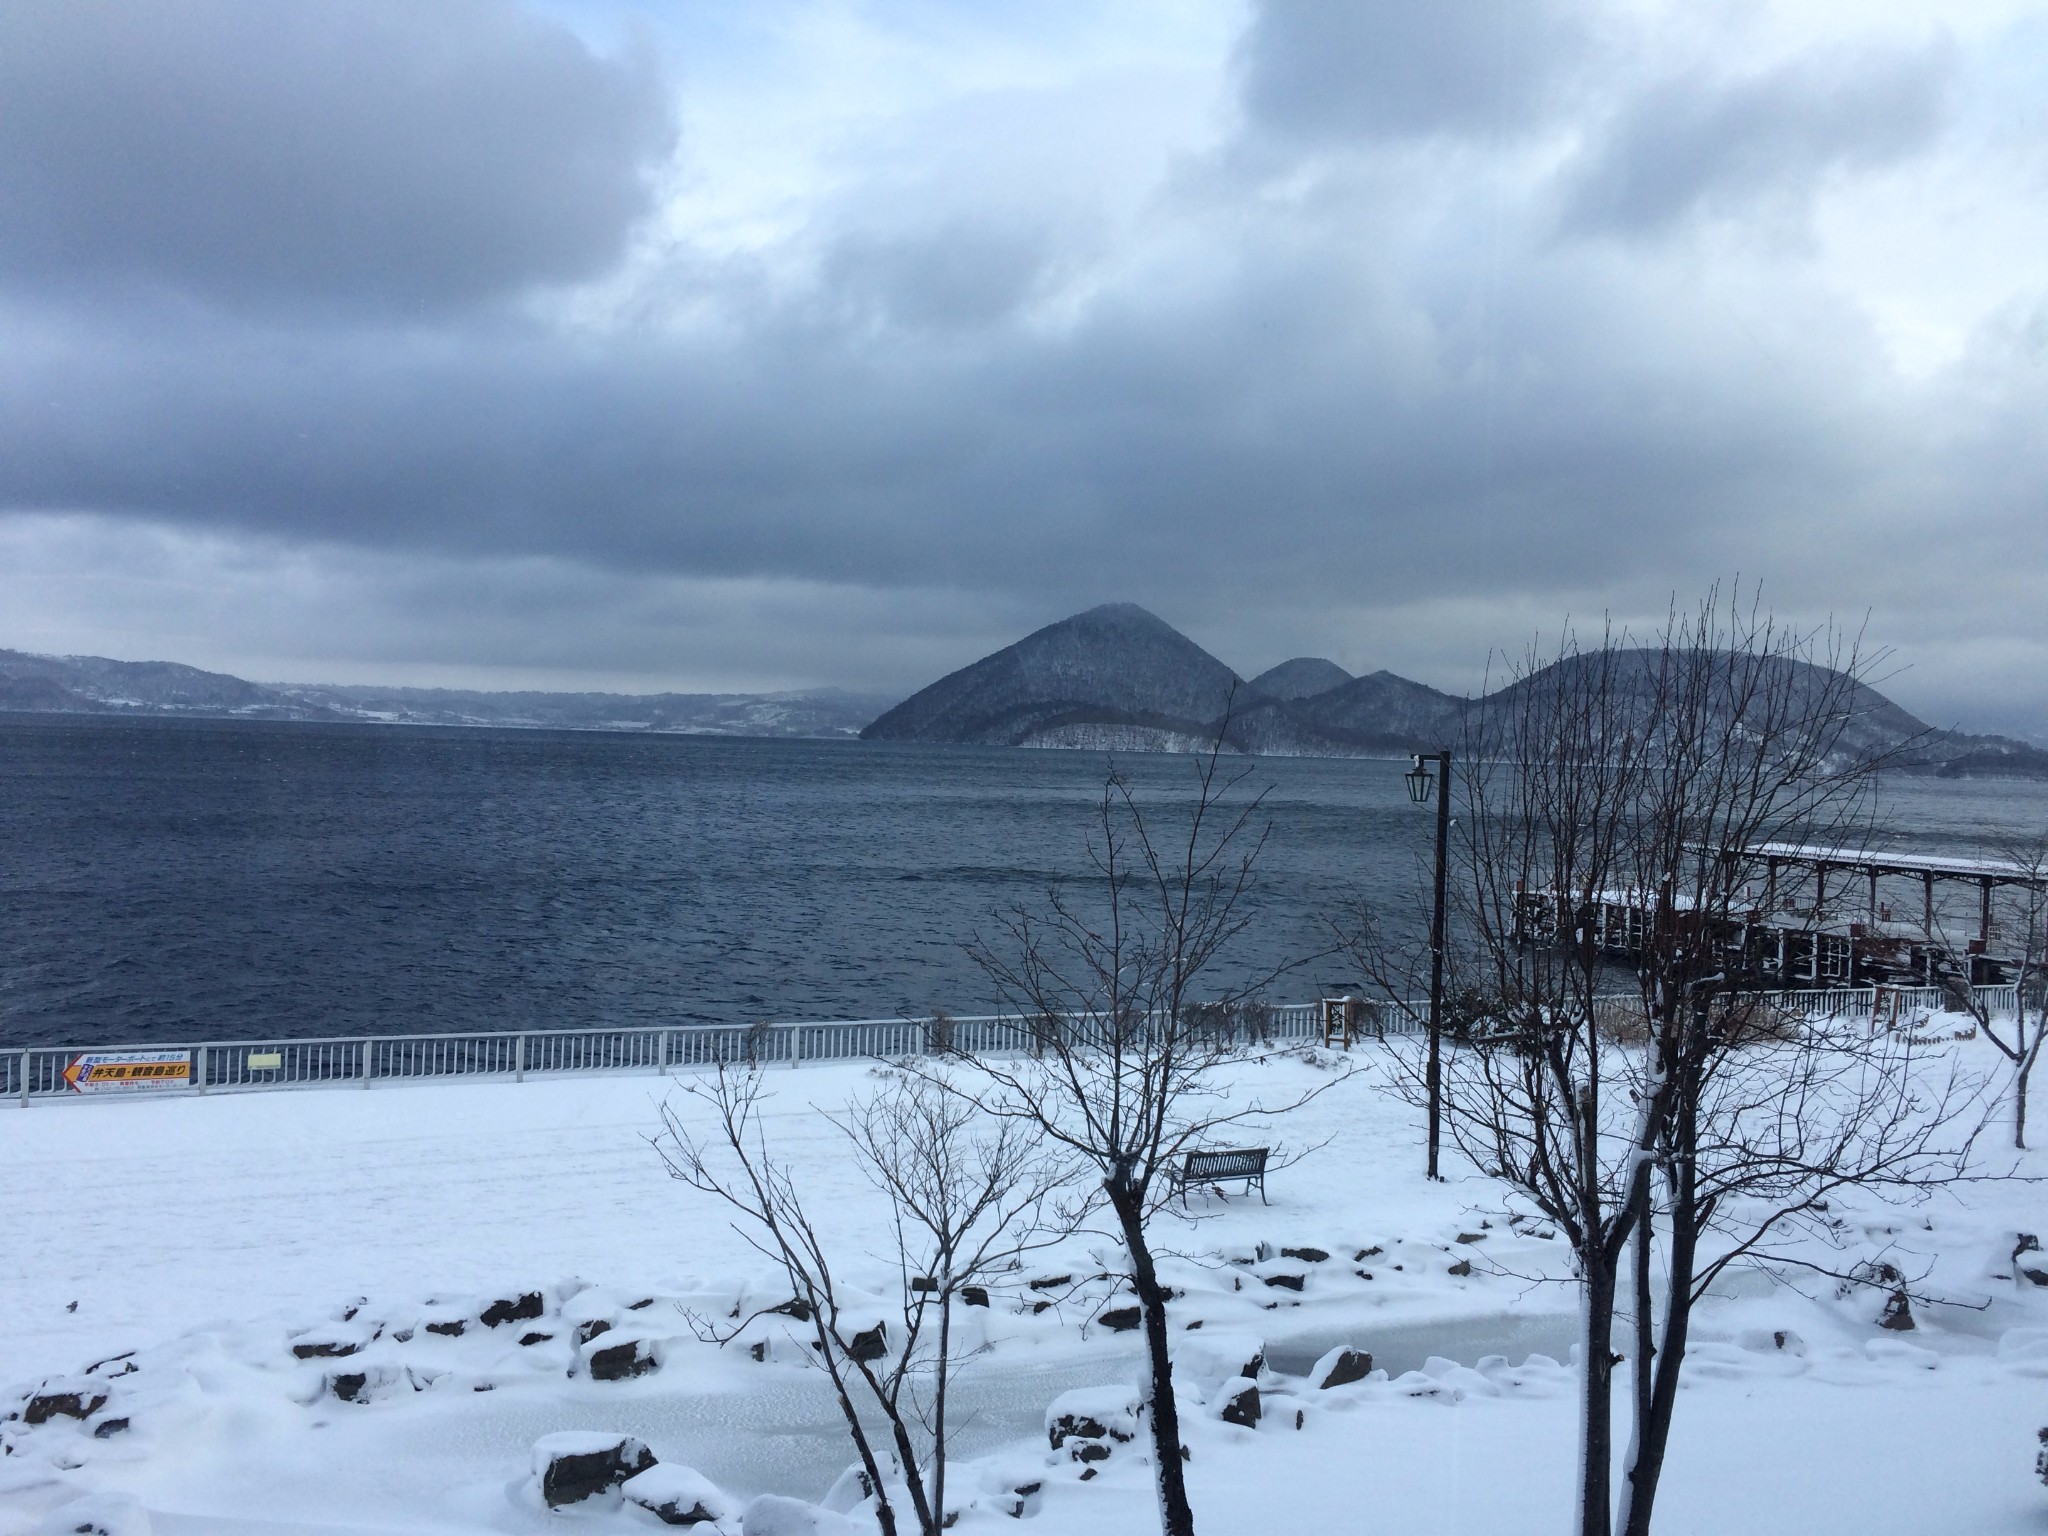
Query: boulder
x=1340 y=1367
x=1121 y=1319
x=326 y=1349
x=449 y=1327
x=677 y=1496
x=773 y=1515
x=869 y=1344
x=1087 y=1422
x=516 y=1309
x=622 y=1361
x=349 y=1385
x=50 y=1403
x=1237 y=1402
x=1898 y=1313
x=1462 y=1267
x=1306 y=1255
x=1287 y=1282
x=98 y=1514
x=580 y=1465
x=106 y=1429
x=587 y=1331
x=974 y=1295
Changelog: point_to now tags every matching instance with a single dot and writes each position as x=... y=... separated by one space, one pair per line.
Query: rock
x=974 y=1295
x=1051 y=1282
x=449 y=1328
x=1367 y=1253
x=585 y=1332
x=1020 y=1499
x=1462 y=1267
x=1306 y=1255
x=98 y=1514
x=518 y=1309
x=1287 y=1282
x=326 y=1349
x=536 y=1337
x=1471 y=1237
x=620 y=1362
x=1340 y=1367
x=106 y=1429
x=1237 y=1402
x=1898 y=1313
x=677 y=1496
x=1090 y=1421
x=1121 y=1319
x=773 y=1515
x=579 y=1465
x=46 y=1405
x=2038 y=1276
x=870 y=1344
x=795 y=1307
x=2041 y=1457
x=348 y=1386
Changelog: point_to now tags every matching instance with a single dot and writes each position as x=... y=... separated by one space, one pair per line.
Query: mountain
x=1302 y=678
x=96 y=685
x=1115 y=669
x=1117 y=678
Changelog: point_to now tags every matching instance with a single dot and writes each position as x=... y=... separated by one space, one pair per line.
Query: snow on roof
x=1878 y=861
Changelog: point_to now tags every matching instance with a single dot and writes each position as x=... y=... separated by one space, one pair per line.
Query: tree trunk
x=1653 y=1413
x=1596 y=1410
x=1176 y=1516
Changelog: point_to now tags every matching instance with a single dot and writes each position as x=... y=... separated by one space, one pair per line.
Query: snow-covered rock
x=1340 y=1367
x=576 y=1465
x=677 y=1495
x=773 y=1515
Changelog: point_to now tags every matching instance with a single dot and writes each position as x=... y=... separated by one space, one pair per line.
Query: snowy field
x=222 y=1239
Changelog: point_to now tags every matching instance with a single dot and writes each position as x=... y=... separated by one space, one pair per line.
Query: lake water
x=187 y=880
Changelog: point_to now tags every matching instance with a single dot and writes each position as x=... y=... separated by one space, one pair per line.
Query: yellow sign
x=265 y=1061
x=129 y=1069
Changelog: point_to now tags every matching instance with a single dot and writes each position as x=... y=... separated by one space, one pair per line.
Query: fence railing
x=40 y=1072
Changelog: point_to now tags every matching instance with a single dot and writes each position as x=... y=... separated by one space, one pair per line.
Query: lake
x=178 y=880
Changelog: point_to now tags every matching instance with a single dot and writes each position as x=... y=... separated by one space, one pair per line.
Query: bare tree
x=1126 y=1066
x=1617 y=799
x=2025 y=920
x=967 y=1197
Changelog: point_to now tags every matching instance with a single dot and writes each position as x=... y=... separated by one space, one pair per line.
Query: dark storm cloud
x=1349 y=361
x=1698 y=142
x=1395 y=68
x=388 y=152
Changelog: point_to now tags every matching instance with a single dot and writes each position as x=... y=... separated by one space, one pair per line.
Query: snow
x=205 y=1238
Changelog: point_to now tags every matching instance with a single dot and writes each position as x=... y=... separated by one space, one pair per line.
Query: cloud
x=1392 y=68
x=377 y=152
x=1715 y=145
x=885 y=379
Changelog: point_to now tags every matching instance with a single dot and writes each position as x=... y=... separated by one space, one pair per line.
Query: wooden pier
x=1823 y=917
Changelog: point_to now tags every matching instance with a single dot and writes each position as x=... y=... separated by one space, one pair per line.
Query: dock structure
x=1820 y=916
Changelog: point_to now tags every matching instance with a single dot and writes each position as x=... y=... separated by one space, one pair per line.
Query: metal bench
x=1215 y=1168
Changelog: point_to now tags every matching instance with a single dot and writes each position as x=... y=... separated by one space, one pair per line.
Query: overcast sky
x=737 y=344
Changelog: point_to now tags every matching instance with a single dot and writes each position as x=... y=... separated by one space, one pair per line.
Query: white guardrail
x=51 y=1072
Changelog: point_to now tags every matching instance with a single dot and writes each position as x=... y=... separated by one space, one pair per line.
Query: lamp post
x=1421 y=782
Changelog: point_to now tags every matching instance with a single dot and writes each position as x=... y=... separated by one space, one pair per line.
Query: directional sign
x=129 y=1069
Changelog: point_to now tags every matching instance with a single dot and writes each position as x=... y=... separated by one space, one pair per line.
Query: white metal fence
x=39 y=1072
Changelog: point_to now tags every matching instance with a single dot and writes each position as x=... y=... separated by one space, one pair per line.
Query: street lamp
x=1421 y=782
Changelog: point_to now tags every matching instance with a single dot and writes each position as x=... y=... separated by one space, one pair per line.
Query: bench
x=1214 y=1168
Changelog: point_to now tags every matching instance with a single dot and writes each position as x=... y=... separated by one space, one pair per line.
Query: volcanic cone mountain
x=1113 y=676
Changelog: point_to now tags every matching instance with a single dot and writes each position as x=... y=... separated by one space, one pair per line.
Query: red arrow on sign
x=72 y=1072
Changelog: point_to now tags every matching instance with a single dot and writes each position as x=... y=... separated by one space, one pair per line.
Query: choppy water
x=179 y=880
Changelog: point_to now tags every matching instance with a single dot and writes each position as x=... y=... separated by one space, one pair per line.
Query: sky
x=748 y=344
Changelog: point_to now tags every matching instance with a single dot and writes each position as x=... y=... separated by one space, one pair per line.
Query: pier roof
x=1874 y=861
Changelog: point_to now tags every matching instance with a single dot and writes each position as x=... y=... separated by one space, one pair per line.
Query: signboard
x=265 y=1061
x=100 y=1070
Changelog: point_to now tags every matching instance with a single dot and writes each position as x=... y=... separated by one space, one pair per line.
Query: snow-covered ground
x=223 y=1239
